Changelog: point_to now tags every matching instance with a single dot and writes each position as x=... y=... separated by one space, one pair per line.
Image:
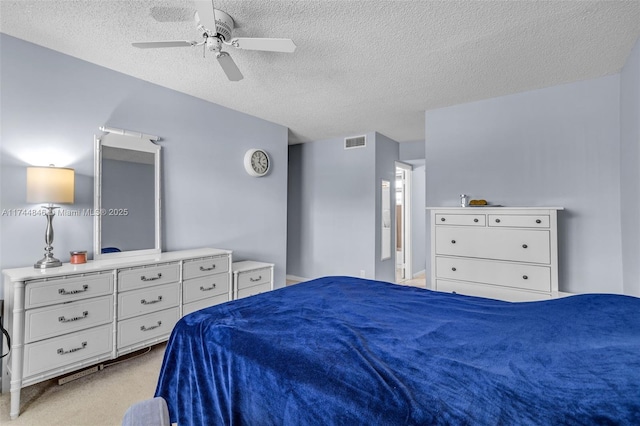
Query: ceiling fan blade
x=170 y=43
x=266 y=44
x=206 y=14
x=229 y=66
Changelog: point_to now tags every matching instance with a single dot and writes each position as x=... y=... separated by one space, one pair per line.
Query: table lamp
x=49 y=185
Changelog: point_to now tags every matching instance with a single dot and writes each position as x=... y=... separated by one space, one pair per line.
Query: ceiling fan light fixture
x=214 y=44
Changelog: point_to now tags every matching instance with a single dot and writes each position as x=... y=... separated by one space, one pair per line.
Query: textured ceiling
x=359 y=66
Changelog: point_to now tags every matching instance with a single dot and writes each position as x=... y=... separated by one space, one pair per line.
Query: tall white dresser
x=67 y=318
x=508 y=253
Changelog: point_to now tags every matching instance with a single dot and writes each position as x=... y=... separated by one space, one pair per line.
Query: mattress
x=344 y=350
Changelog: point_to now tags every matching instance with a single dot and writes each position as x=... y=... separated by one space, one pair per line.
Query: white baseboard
x=420 y=274
x=295 y=278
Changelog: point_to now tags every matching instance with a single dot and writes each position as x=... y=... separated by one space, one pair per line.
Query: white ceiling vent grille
x=355 y=142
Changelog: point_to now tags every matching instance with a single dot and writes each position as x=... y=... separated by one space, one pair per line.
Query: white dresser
x=251 y=277
x=496 y=252
x=66 y=318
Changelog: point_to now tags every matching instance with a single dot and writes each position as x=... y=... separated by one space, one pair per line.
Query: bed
x=350 y=351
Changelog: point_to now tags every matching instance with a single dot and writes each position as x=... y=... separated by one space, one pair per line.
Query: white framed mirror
x=126 y=195
x=385 y=220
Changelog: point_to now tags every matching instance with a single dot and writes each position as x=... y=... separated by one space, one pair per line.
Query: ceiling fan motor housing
x=224 y=24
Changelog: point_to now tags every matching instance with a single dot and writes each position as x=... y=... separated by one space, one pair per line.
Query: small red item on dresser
x=78 y=257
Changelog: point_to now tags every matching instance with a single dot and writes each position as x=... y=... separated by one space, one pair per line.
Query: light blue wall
x=558 y=146
x=412 y=150
x=335 y=207
x=630 y=170
x=331 y=209
x=53 y=104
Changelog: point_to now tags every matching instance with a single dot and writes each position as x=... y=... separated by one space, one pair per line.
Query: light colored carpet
x=98 y=399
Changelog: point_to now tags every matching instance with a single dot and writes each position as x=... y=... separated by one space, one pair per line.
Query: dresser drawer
x=201 y=267
x=530 y=277
x=153 y=275
x=60 y=290
x=520 y=245
x=460 y=219
x=519 y=221
x=51 y=321
x=253 y=278
x=68 y=349
x=149 y=299
x=490 y=291
x=146 y=327
x=204 y=287
x=204 y=303
x=251 y=291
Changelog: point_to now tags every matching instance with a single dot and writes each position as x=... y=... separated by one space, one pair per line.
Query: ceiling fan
x=217 y=27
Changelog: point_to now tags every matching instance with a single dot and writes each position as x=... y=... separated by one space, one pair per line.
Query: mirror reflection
x=127 y=200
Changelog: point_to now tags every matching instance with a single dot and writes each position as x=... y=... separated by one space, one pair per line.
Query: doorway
x=403 y=222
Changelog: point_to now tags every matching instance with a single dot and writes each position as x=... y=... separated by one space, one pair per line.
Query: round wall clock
x=257 y=162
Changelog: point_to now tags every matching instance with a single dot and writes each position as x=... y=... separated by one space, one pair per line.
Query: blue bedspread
x=348 y=351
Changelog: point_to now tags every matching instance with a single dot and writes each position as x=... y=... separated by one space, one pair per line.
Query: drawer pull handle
x=202 y=268
x=442 y=219
x=208 y=288
x=497 y=220
x=538 y=221
x=454 y=269
x=253 y=280
x=64 y=292
x=453 y=241
x=475 y=220
x=524 y=277
x=143 y=278
x=62 y=351
x=145 y=328
x=525 y=246
x=144 y=301
x=63 y=319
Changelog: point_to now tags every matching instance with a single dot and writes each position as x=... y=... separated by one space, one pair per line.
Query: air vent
x=355 y=142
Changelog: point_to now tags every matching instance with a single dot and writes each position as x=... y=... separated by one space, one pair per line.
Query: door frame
x=405 y=170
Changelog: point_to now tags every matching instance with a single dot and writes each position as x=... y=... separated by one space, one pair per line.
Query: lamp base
x=47 y=262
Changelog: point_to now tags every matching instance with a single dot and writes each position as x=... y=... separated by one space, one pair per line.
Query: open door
x=403 y=221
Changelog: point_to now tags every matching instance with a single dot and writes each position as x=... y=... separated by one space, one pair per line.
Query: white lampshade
x=50 y=185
